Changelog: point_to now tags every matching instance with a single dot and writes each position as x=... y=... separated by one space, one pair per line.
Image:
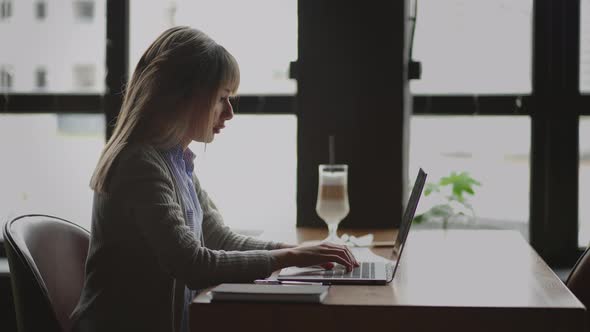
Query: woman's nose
x=228 y=114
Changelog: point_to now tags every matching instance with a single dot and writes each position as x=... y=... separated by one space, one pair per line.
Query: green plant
x=454 y=205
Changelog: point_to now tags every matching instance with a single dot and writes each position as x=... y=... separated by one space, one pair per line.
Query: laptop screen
x=404 y=227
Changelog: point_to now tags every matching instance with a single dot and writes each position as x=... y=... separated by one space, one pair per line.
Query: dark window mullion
x=554 y=130
x=470 y=105
x=264 y=104
x=51 y=103
x=117 y=59
x=584 y=104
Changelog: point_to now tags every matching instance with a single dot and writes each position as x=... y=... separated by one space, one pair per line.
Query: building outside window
x=5 y=9
x=84 y=10
x=56 y=134
x=6 y=78
x=41 y=78
x=84 y=76
x=61 y=39
x=264 y=60
x=41 y=10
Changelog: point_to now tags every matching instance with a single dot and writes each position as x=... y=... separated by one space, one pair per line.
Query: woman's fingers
x=343 y=251
x=324 y=254
x=340 y=260
x=343 y=255
x=327 y=266
x=351 y=256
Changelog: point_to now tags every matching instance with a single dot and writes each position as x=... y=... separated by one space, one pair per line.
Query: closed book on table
x=270 y=293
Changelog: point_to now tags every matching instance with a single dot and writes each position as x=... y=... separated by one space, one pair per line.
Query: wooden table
x=472 y=280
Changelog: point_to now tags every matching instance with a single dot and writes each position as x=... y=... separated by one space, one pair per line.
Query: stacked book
x=270 y=293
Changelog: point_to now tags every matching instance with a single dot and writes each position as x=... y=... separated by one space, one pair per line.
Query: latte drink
x=332 y=204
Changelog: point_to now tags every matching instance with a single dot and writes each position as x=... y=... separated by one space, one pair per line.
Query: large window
x=255 y=152
x=47 y=161
x=250 y=171
x=72 y=52
x=255 y=156
x=261 y=34
x=54 y=63
x=474 y=46
x=469 y=49
x=492 y=150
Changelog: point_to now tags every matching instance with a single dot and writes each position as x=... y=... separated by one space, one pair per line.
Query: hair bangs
x=230 y=72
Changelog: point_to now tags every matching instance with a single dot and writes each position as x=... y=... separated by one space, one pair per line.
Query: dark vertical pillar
x=352 y=83
x=117 y=59
x=555 y=118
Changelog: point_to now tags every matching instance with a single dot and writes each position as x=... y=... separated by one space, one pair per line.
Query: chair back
x=46 y=256
x=578 y=282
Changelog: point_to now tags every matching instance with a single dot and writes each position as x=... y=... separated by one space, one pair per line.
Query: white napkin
x=353 y=241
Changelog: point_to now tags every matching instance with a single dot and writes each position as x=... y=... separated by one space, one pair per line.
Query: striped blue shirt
x=182 y=165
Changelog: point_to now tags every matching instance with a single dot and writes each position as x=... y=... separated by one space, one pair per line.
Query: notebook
x=269 y=293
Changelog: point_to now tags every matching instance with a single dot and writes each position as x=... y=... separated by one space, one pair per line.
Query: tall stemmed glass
x=332 y=205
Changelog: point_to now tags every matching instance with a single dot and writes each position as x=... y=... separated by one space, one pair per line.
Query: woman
x=156 y=235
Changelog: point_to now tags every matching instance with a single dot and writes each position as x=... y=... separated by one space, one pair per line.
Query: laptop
x=367 y=273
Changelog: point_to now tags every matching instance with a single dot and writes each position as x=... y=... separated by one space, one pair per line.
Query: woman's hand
x=324 y=254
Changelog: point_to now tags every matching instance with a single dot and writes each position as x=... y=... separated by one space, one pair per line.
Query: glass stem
x=332 y=228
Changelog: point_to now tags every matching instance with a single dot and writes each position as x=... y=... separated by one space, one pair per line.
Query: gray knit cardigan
x=142 y=254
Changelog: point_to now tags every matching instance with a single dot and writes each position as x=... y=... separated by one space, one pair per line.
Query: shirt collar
x=189 y=159
x=185 y=158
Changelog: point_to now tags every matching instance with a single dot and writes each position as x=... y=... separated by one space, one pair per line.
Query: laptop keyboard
x=366 y=270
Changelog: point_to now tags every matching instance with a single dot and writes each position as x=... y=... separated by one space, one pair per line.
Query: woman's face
x=221 y=112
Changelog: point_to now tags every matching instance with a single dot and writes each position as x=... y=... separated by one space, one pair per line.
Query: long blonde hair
x=182 y=67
